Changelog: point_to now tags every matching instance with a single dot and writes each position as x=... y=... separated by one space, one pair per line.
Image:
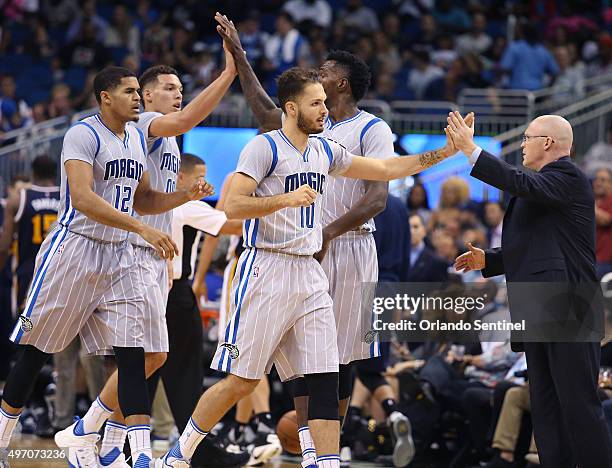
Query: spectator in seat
x=494 y=217
x=122 y=31
x=417 y=202
x=476 y=40
x=599 y=156
x=527 y=61
x=287 y=47
x=425 y=265
x=569 y=84
x=422 y=73
x=360 y=17
x=602 y=188
x=317 y=12
x=14 y=112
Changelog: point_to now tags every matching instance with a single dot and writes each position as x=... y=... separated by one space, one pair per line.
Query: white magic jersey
x=364 y=135
x=117 y=169
x=279 y=167
x=163 y=163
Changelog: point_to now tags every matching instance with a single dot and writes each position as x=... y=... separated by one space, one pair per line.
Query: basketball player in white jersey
x=281 y=310
x=252 y=426
x=162 y=120
x=84 y=270
x=348 y=253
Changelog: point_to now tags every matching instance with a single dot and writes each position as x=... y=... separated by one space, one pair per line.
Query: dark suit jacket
x=548 y=236
x=427 y=268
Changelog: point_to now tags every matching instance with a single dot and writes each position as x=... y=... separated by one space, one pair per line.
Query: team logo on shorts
x=26 y=324
x=60 y=249
x=232 y=349
x=370 y=337
x=255 y=272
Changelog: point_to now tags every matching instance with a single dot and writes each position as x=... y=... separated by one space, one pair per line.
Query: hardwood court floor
x=34 y=452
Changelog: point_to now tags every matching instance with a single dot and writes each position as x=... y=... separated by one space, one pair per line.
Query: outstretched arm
x=177 y=123
x=396 y=168
x=266 y=112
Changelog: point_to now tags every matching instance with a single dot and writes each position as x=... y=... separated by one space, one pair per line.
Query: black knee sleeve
x=23 y=375
x=345 y=381
x=323 y=391
x=298 y=387
x=132 y=387
x=371 y=380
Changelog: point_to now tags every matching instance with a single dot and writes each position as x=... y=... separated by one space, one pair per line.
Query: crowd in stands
x=417 y=49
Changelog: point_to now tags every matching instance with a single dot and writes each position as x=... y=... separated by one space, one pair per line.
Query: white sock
x=328 y=461
x=95 y=417
x=7 y=425
x=190 y=438
x=114 y=436
x=309 y=455
x=140 y=444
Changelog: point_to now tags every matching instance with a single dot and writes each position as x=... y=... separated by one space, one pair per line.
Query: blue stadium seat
x=75 y=78
x=37 y=95
x=118 y=54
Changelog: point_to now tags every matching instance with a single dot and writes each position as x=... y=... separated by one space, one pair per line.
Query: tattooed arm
x=396 y=168
x=266 y=112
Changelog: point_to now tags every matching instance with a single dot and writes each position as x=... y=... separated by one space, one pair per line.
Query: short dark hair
x=359 y=75
x=189 y=161
x=109 y=78
x=292 y=82
x=151 y=74
x=496 y=202
x=418 y=215
x=44 y=167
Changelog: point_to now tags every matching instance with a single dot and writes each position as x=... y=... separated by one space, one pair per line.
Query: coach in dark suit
x=548 y=237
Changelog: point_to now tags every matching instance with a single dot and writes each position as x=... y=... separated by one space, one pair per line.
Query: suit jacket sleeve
x=494 y=263
x=552 y=187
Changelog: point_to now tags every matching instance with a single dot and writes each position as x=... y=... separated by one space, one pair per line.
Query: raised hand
x=451 y=146
x=473 y=259
x=461 y=131
x=163 y=243
x=228 y=32
x=303 y=196
x=230 y=64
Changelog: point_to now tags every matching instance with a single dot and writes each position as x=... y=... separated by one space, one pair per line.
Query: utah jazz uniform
x=281 y=311
x=351 y=259
x=84 y=277
x=35 y=217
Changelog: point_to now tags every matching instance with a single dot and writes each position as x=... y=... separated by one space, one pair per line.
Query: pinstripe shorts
x=82 y=285
x=350 y=261
x=153 y=273
x=281 y=314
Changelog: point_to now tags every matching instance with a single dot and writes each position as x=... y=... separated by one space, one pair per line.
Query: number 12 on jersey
x=121 y=202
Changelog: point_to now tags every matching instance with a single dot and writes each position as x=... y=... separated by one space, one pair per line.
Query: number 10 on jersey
x=307 y=215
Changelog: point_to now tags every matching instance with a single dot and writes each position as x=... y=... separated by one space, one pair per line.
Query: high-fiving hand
x=461 y=131
x=228 y=32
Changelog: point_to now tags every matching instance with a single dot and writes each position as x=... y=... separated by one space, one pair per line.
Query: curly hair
x=359 y=75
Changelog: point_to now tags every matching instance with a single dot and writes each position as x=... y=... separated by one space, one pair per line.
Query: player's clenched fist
x=163 y=243
x=473 y=259
x=200 y=189
x=305 y=195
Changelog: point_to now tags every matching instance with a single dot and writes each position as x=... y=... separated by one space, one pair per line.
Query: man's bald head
x=547 y=138
x=558 y=128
